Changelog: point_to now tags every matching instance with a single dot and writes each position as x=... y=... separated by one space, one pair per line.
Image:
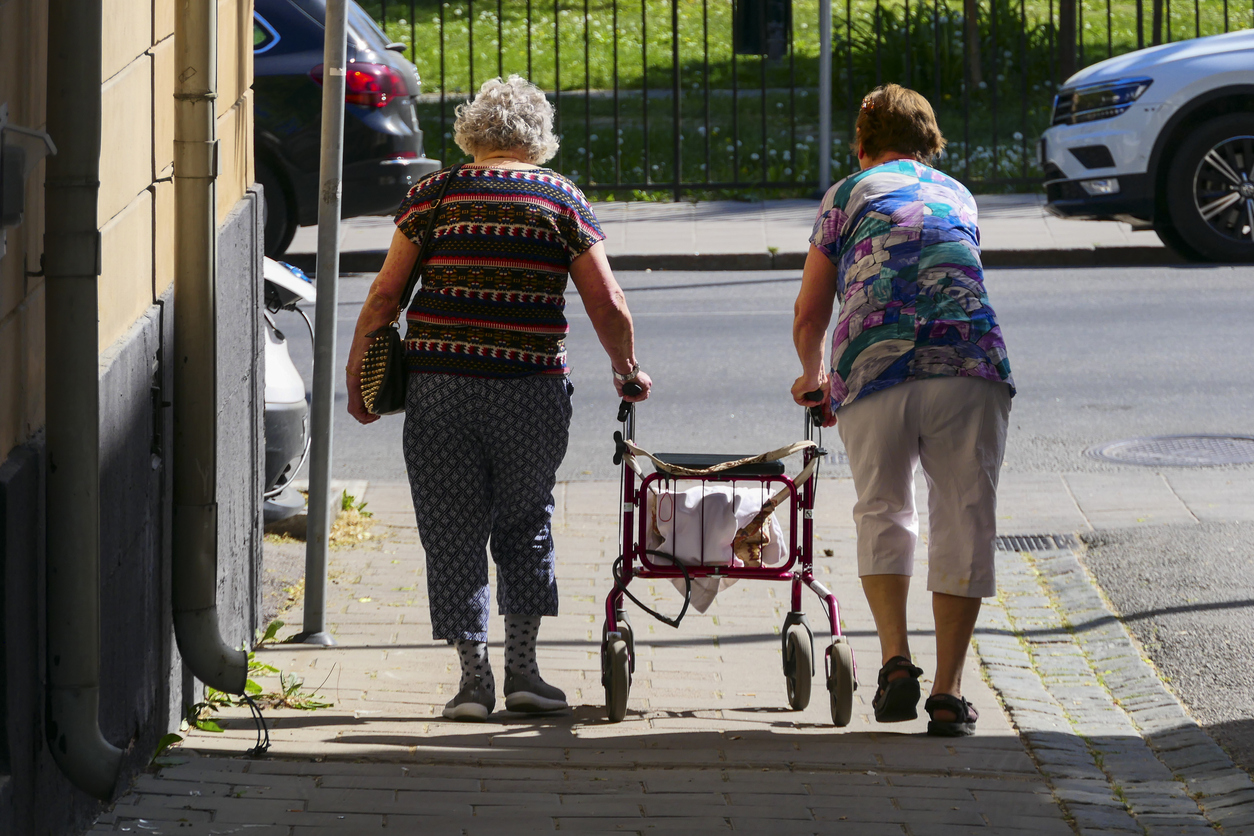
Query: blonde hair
x=894 y=118
x=509 y=115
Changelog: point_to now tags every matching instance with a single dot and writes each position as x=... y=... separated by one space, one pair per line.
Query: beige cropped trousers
x=956 y=428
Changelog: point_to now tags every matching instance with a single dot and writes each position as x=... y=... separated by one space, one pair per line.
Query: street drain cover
x=1177 y=450
x=1035 y=542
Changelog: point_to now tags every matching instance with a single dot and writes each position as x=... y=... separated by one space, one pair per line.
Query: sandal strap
x=963 y=711
x=897 y=663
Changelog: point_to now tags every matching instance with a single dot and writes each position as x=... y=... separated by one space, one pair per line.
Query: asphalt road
x=1187 y=594
x=1098 y=355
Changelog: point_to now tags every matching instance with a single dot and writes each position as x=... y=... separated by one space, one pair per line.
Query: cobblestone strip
x=1223 y=792
x=1010 y=664
x=1121 y=753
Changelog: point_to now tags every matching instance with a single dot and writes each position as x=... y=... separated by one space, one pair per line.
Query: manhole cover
x=1177 y=450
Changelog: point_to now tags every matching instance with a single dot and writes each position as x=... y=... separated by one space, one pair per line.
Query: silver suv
x=1161 y=137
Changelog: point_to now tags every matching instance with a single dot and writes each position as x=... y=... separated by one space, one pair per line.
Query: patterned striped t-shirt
x=491 y=302
x=906 y=247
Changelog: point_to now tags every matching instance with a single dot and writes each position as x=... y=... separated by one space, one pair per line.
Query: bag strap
x=425 y=249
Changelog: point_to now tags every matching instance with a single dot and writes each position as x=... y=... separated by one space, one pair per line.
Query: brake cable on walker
x=619 y=586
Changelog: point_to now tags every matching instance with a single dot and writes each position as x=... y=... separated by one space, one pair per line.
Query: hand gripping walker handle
x=630 y=388
x=816 y=412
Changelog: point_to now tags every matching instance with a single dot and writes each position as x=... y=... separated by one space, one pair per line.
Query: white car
x=1161 y=137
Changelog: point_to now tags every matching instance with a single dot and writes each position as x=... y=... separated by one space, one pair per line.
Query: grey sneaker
x=531 y=694
x=474 y=702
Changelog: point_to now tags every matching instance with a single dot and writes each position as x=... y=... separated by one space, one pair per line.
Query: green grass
x=992 y=128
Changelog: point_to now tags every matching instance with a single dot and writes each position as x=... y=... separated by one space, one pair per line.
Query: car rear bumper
x=377 y=187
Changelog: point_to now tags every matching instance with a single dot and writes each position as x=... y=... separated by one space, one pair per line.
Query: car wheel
x=1210 y=191
x=280 y=214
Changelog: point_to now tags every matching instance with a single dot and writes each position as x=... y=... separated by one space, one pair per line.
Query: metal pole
x=330 y=175
x=825 y=95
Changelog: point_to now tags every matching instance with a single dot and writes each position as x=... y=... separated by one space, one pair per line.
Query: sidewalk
x=1076 y=734
x=1016 y=231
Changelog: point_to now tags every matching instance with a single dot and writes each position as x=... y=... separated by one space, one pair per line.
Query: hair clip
x=868 y=103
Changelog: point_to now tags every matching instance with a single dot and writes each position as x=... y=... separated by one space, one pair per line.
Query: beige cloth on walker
x=698 y=526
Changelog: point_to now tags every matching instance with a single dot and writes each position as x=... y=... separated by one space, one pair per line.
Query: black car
x=383 y=153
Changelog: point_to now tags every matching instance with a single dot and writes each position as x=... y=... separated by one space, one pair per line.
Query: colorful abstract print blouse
x=905 y=243
x=491 y=301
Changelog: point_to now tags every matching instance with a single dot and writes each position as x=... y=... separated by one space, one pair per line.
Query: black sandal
x=963 y=711
x=897 y=700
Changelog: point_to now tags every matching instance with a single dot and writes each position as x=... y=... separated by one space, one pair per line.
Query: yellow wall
x=137 y=139
x=135 y=210
x=23 y=59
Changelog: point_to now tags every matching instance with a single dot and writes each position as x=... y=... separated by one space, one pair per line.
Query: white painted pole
x=825 y=95
x=330 y=179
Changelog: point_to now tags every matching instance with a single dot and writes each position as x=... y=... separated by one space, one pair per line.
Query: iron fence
x=657 y=99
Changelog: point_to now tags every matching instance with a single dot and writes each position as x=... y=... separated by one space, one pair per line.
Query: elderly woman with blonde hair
x=489 y=400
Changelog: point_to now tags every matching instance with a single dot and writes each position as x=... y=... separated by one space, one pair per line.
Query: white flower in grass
x=580 y=151
x=754 y=156
x=701 y=129
x=592 y=138
x=731 y=148
x=1018 y=138
x=788 y=171
x=809 y=139
x=787 y=155
x=703 y=166
x=772 y=152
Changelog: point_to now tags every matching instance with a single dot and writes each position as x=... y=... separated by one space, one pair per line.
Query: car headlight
x=1098 y=101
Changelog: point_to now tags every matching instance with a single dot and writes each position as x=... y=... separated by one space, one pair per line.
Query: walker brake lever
x=816 y=412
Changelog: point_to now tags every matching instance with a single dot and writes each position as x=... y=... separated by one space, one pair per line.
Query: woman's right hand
x=641 y=379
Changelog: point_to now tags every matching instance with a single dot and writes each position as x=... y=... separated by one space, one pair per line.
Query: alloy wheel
x=1223 y=188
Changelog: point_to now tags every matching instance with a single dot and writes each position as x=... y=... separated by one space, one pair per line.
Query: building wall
x=144 y=686
x=23 y=59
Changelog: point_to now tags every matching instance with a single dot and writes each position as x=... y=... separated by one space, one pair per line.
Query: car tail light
x=368 y=85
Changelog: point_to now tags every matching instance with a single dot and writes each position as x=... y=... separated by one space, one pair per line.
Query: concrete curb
x=371 y=261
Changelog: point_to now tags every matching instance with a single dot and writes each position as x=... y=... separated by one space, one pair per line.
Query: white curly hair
x=509 y=115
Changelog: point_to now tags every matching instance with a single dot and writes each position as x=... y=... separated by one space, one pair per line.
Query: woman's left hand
x=807 y=384
x=356 y=406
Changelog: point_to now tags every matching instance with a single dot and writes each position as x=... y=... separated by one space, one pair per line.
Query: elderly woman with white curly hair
x=489 y=401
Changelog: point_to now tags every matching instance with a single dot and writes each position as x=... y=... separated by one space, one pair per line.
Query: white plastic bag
x=697 y=526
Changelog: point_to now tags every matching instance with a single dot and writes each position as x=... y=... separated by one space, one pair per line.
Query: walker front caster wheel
x=624 y=627
x=616 y=675
x=798 y=666
x=841 y=680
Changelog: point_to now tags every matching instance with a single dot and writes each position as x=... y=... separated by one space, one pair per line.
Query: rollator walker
x=791 y=497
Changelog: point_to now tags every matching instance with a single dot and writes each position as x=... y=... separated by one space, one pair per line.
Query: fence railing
x=655 y=101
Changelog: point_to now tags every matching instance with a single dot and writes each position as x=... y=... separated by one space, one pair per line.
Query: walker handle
x=816 y=412
x=631 y=388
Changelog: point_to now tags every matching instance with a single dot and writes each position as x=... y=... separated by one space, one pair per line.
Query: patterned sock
x=474 y=659
x=520 y=644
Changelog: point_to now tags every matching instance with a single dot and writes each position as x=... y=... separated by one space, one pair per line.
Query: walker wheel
x=616 y=673
x=629 y=636
x=840 y=681
x=798 y=666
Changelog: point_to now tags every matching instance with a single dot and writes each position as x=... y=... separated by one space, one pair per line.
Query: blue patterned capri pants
x=482 y=456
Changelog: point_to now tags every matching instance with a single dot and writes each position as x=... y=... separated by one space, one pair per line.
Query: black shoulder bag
x=383 y=376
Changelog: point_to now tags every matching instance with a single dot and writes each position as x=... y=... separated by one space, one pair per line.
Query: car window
x=365 y=26
x=264 y=35
x=361 y=28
